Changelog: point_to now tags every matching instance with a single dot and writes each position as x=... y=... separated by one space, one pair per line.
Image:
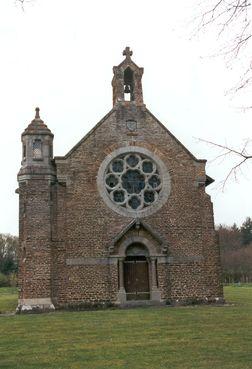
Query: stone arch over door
x=137 y=240
x=147 y=254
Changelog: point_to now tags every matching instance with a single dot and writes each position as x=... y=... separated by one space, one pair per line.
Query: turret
x=36 y=177
x=37 y=140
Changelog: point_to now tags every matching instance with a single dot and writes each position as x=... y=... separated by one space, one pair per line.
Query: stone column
x=155 y=293
x=121 y=276
x=153 y=274
x=121 y=297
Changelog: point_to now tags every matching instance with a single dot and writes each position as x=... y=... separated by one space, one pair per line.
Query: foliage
x=229 y=237
x=236 y=252
x=237 y=265
x=8 y=299
x=3 y=280
x=8 y=253
x=199 y=337
x=246 y=231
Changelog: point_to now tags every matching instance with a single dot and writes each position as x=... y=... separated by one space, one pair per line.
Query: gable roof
x=208 y=181
x=107 y=116
x=175 y=138
x=128 y=62
x=86 y=136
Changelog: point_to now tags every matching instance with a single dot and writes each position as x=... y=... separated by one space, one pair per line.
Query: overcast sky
x=59 y=54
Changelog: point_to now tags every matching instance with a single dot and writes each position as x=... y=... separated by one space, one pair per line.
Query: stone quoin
x=122 y=219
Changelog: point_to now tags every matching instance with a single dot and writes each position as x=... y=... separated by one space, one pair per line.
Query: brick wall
x=84 y=226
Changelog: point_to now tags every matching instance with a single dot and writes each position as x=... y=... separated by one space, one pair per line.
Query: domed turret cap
x=37 y=126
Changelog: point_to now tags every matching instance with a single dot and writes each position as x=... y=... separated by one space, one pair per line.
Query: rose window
x=133 y=181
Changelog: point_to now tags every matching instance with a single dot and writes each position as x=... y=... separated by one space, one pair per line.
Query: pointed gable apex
x=137 y=223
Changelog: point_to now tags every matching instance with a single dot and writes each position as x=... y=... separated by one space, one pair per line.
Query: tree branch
x=232 y=20
x=22 y=3
x=241 y=154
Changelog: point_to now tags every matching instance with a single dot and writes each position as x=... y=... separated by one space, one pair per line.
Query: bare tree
x=231 y=21
x=240 y=156
x=22 y=3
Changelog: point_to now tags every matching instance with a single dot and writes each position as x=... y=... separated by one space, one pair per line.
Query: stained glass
x=149 y=196
x=117 y=166
x=132 y=160
x=133 y=181
x=111 y=181
x=134 y=202
x=118 y=196
x=147 y=167
x=154 y=181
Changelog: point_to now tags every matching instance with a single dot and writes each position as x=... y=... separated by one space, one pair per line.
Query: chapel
x=122 y=219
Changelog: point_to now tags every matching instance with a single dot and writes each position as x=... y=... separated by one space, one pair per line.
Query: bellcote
x=127 y=81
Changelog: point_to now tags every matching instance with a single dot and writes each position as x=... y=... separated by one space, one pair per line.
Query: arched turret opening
x=37 y=149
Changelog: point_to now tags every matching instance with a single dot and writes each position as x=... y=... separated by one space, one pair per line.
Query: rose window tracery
x=133 y=181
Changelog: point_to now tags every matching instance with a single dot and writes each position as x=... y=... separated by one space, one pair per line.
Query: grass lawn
x=199 y=337
x=8 y=300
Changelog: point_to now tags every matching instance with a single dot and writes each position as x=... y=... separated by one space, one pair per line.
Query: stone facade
x=93 y=235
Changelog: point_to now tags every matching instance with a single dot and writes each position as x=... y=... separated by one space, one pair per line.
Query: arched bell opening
x=128 y=81
x=136 y=272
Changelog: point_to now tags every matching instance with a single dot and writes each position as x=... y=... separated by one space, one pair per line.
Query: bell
x=127 y=89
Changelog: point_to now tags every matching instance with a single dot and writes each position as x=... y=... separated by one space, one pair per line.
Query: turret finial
x=37 y=116
x=127 y=52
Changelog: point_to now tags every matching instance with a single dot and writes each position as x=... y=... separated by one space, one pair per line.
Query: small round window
x=133 y=181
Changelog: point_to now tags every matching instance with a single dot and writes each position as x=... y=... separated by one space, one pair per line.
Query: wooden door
x=136 y=279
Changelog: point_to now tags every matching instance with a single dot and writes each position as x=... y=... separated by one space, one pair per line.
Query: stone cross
x=127 y=52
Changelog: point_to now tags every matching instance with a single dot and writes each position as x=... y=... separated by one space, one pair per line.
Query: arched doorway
x=136 y=272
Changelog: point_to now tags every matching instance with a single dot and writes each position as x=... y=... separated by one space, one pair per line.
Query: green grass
x=8 y=299
x=199 y=337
